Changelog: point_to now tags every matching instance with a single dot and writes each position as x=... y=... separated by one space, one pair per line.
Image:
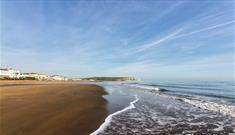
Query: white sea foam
x=219 y=128
x=212 y=106
x=109 y=118
x=207 y=105
x=144 y=87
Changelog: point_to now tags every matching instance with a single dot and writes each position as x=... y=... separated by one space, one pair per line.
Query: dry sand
x=51 y=109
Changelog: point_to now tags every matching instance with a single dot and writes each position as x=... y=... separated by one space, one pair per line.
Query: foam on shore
x=204 y=104
x=212 y=106
x=109 y=118
x=148 y=87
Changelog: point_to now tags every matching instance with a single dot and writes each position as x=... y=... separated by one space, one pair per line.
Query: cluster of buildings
x=10 y=73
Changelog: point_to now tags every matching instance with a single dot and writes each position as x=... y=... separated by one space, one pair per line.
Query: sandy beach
x=50 y=108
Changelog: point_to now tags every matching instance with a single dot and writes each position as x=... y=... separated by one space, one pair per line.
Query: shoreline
x=166 y=113
x=51 y=108
x=108 y=119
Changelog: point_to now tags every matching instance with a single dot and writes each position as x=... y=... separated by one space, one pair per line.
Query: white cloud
x=204 y=29
x=206 y=68
x=155 y=43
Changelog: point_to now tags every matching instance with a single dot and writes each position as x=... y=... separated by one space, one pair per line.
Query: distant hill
x=109 y=79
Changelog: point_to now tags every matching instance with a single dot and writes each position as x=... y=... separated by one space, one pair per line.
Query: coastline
x=108 y=120
x=158 y=112
x=84 y=108
x=51 y=108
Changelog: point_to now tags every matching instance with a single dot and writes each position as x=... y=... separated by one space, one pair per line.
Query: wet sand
x=51 y=109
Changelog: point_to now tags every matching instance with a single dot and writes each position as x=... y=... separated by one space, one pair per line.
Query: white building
x=34 y=75
x=76 y=79
x=59 y=78
x=9 y=73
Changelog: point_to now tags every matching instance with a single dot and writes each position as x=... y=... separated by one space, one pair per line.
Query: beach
x=168 y=108
x=82 y=108
x=50 y=108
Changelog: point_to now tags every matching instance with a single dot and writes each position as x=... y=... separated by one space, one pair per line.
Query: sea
x=169 y=107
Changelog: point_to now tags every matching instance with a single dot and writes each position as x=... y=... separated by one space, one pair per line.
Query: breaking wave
x=149 y=87
x=204 y=104
x=109 y=118
x=212 y=106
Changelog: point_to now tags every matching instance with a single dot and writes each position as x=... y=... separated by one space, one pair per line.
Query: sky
x=148 y=39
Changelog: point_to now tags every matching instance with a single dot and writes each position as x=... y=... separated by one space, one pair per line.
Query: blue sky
x=154 y=39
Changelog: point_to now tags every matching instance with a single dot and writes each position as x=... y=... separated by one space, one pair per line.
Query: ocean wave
x=149 y=87
x=224 y=109
x=212 y=106
x=204 y=104
x=188 y=87
x=109 y=118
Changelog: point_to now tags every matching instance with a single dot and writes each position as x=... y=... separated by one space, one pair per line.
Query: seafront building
x=10 y=73
x=76 y=79
x=34 y=75
x=59 y=78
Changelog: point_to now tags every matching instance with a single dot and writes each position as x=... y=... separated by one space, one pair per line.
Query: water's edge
x=109 y=118
x=156 y=106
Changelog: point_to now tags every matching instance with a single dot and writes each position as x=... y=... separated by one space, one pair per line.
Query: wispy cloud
x=139 y=68
x=199 y=68
x=170 y=9
x=145 y=38
x=175 y=35
x=204 y=29
x=144 y=47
